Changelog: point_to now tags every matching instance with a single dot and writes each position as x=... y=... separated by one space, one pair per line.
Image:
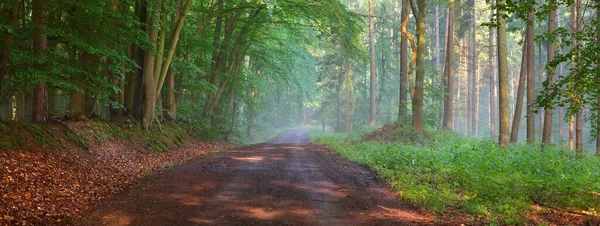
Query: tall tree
x=8 y=39
x=502 y=78
x=578 y=16
x=40 y=42
x=373 y=72
x=530 y=77
x=514 y=134
x=547 y=130
x=473 y=69
x=403 y=89
x=492 y=103
x=598 y=97
x=419 y=11
x=448 y=77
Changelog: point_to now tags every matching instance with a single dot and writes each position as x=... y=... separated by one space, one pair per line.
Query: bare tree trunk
x=530 y=79
x=8 y=40
x=547 y=129
x=514 y=134
x=420 y=13
x=40 y=42
x=598 y=65
x=149 y=83
x=403 y=96
x=492 y=102
x=437 y=36
x=502 y=80
x=448 y=77
x=171 y=102
x=579 y=115
x=373 y=73
x=474 y=113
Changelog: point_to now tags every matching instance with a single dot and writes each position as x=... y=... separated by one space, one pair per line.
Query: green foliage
x=444 y=171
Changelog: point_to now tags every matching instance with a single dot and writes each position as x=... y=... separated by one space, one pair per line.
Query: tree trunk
x=40 y=93
x=547 y=130
x=403 y=89
x=420 y=13
x=579 y=115
x=76 y=109
x=502 y=80
x=514 y=134
x=437 y=35
x=492 y=102
x=530 y=78
x=138 y=88
x=474 y=76
x=373 y=73
x=171 y=103
x=8 y=41
x=149 y=83
x=448 y=77
x=598 y=65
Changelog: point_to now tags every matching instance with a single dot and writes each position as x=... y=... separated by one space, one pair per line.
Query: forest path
x=285 y=181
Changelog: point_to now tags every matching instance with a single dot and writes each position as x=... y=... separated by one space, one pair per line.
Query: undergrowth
x=444 y=171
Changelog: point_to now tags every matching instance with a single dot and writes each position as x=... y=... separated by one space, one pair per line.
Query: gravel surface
x=285 y=181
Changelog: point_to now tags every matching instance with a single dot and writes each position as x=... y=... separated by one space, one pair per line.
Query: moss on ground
x=161 y=138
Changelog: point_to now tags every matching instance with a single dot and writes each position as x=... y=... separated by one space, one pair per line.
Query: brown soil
x=282 y=182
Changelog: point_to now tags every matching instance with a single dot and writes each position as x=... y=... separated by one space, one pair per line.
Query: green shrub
x=443 y=170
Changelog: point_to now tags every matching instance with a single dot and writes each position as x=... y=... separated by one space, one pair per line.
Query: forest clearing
x=299 y=112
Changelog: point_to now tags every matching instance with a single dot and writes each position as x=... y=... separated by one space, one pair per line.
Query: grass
x=445 y=171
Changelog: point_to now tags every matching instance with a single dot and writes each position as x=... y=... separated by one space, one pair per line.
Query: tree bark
x=547 y=130
x=492 y=102
x=171 y=102
x=420 y=13
x=514 y=134
x=8 y=41
x=530 y=78
x=373 y=73
x=403 y=89
x=448 y=77
x=579 y=115
x=475 y=76
x=149 y=82
x=502 y=79
x=598 y=103
x=138 y=82
x=40 y=42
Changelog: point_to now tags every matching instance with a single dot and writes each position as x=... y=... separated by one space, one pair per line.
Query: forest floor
x=286 y=181
x=52 y=174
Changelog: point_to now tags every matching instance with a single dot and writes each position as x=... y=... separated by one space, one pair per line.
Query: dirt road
x=286 y=181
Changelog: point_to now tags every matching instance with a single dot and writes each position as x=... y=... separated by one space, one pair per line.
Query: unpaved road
x=285 y=181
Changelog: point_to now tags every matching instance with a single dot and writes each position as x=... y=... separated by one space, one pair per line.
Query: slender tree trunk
x=530 y=79
x=547 y=130
x=474 y=92
x=420 y=13
x=579 y=115
x=171 y=102
x=373 y=73
x=514 y=134
x=138 y=87
x=8 y=40
x=402 y=108
x=492 y=102
x=149 y=82
x=448 y=77
x=598 y=65
x=437 y=36
x=502 y=80
x=40 y=42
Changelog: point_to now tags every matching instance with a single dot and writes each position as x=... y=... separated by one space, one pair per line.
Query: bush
x=477 y=176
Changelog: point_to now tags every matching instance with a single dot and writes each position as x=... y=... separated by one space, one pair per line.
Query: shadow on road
x=282 y=182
